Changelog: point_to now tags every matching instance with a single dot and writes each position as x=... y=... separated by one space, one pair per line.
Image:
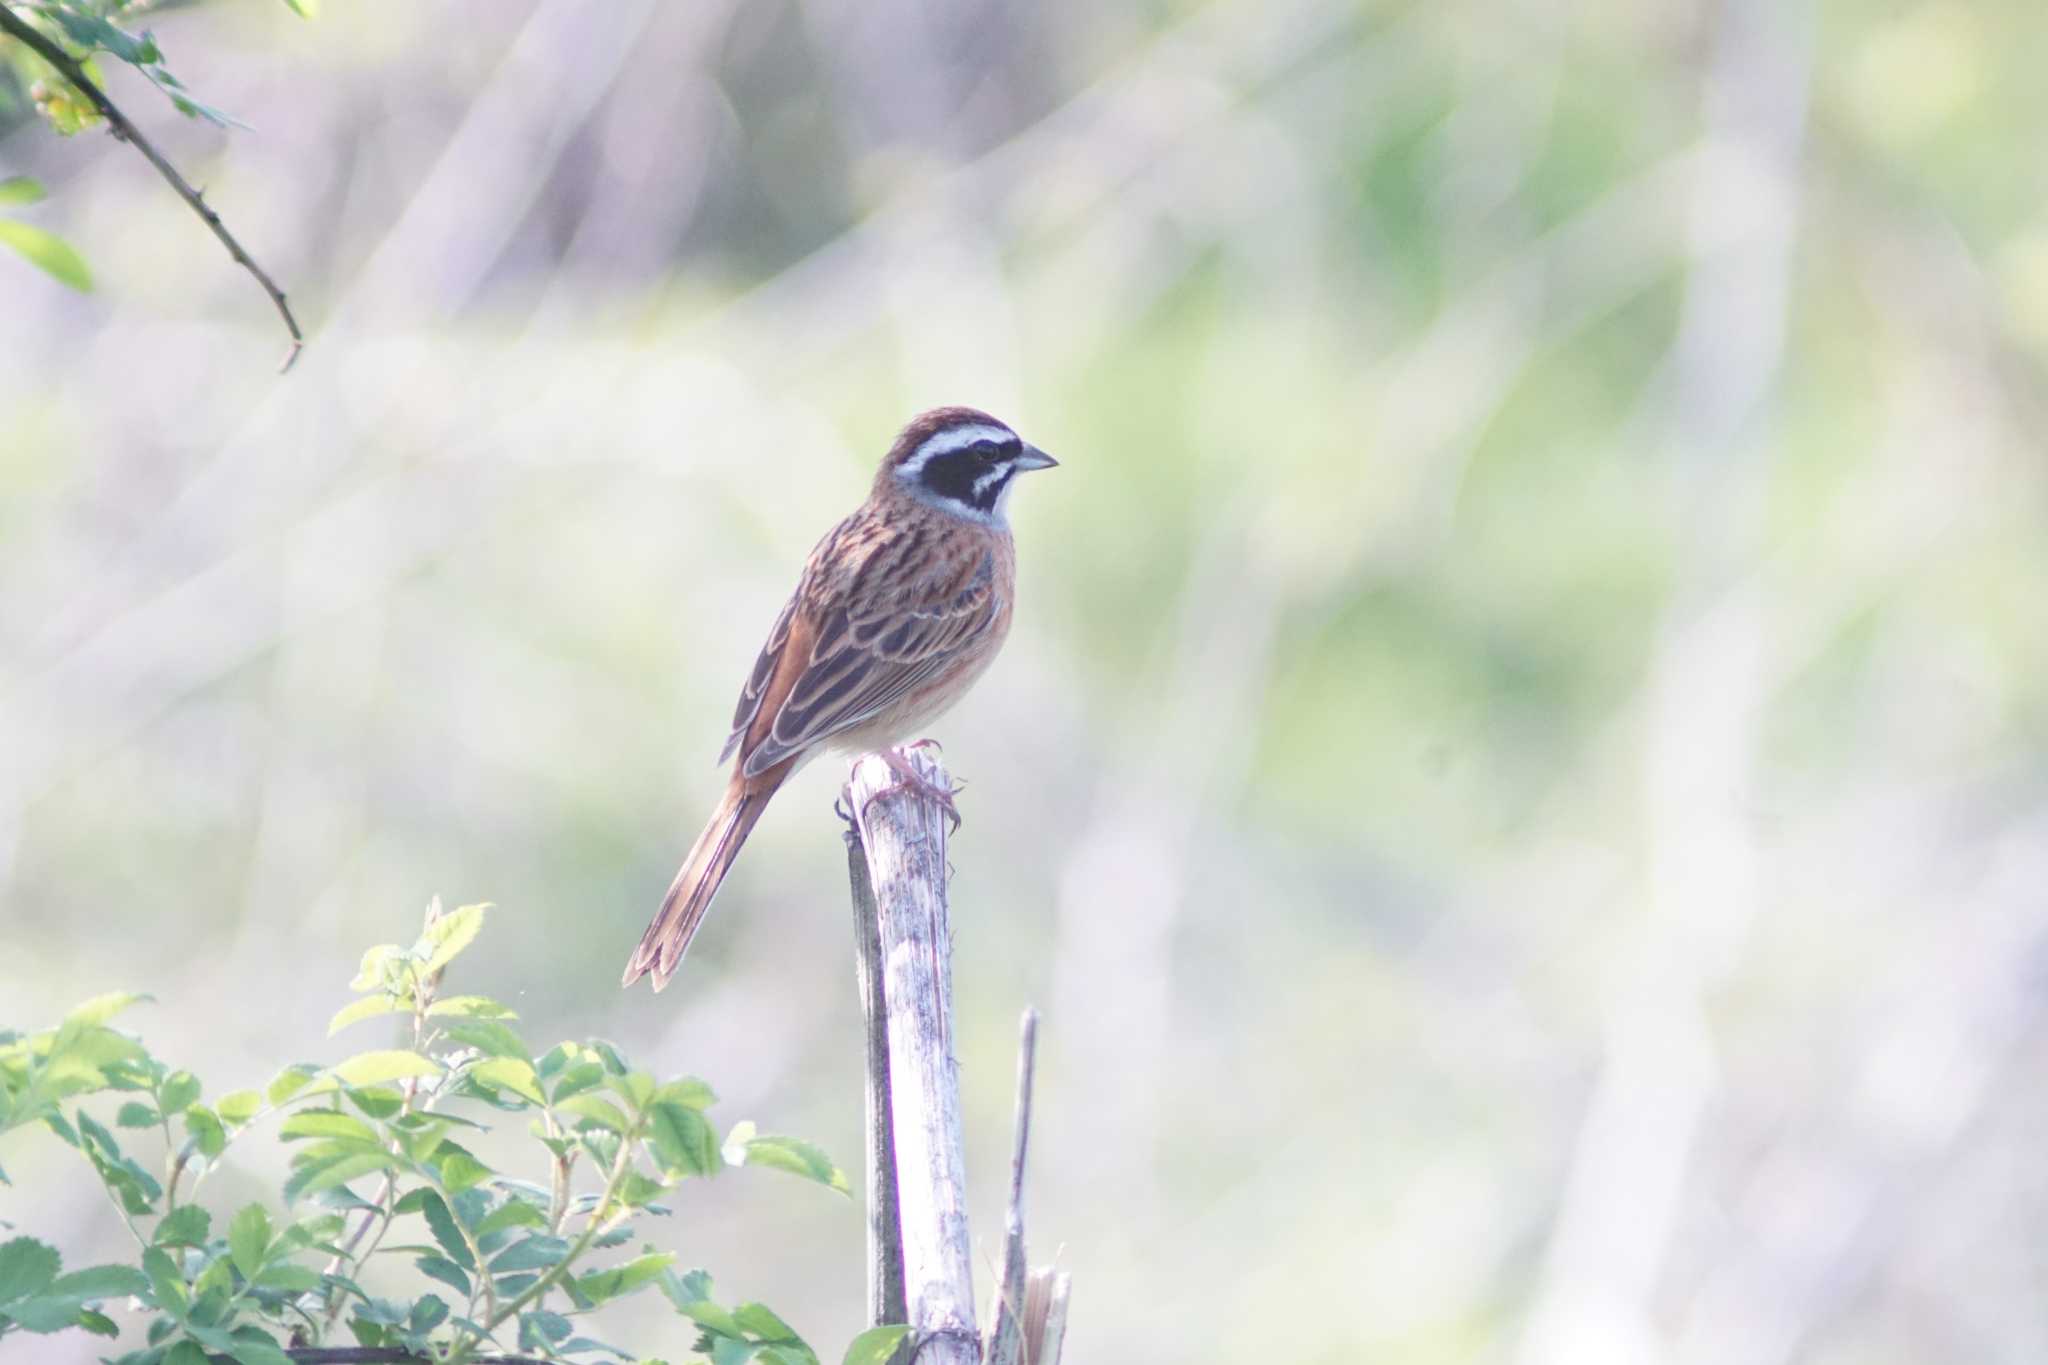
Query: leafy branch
x=524 y=1284
x=95 y=30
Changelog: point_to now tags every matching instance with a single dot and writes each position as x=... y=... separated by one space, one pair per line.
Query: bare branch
x=885 y=1238
x=1006 y=1345
x=122 y=127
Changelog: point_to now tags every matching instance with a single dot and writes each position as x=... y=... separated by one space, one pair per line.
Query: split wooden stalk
x=904 y=836
x=919 y=1266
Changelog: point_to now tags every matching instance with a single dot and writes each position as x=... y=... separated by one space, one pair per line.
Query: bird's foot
x=910 y=779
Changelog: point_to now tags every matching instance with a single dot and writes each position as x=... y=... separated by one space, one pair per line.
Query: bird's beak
x=1034 y=458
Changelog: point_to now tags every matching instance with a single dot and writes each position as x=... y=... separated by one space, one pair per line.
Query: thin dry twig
x=122 y=127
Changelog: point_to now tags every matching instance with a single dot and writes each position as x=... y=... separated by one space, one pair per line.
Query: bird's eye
x=986 y=451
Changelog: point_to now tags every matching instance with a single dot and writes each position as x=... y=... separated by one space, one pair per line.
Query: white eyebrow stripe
x=952 y=439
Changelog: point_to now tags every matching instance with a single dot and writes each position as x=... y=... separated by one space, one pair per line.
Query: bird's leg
x=911 y=779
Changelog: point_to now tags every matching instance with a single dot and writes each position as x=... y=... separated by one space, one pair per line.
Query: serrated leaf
x=541 y=1328
x=318 y=1176
x=247 y=1351
x=100 y=1282
x=688 y=1090
x=27 y=1268
x=135 y=1114
x=536 y=1252
x=509 y=1073
x=441 y=1222
x=610 y=1283
x=513 y=1213
x=287 y=1278
x=428 y=1312
x=288 y=1083
x=492 y=1037
x=596 y=1109
x=179 y=1089
x=683 y=1140
x=238 y=1106
x=98 y=1010
x=325 y=1123
x=371 y=1068
x=249 y=1239
x=166 y=1284
x=460 y=1170
x=447 y=936
x=369 y=1007
x=370 y=975
x=20 y=189
x=758 y=1320
x=446 y=1271
x=472 y=1007
x=206 y=1131
x=185 y=1226
x=785 y=1154
x=379 y=1102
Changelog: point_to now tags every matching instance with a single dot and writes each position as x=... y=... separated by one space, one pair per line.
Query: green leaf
x=369 y=1068
x=305 y=9
x=289 y=1082
x=27 y=1268
x=179 y=1089
x=288 y=1278
x=369 y=1007
x=460 y=1170
x=472 y=1006
x=876 y=1346
x=536 y=1252
x=327 y=1123
x=790 y=1154
x=373 y=972
x=326 y=1173
x=442 y=1224
x=610 y=1283
x=135 y=1114
x=186 y=1353
x=250 y=1351
x=597 y=1110
x=238 y=1107
x=166 y=1283
x=207 y=1133
x=101 y=1008
x=447 y=936
x=509 y=1073
x=185 y=1226
x=19 y=189
x=489 y=1036
x=49 y=253
x=513 y=1213
x=249 y=1239
x=543 y=1328
x=446 y=1271
x=683 y=1140
x=689 y=1091
x=759 y=1321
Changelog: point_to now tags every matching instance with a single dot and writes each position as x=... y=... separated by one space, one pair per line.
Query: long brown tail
x=689 y=896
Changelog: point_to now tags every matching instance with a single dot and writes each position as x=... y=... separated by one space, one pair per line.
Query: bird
x=900 y=608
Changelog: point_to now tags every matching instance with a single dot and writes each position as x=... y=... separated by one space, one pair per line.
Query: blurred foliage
x=517 y=1253
x=1518 y=781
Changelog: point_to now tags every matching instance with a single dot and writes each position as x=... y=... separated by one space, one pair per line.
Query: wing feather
x=858 y=652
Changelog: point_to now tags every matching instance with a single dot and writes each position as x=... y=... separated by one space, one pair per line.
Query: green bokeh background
x=1518 y=779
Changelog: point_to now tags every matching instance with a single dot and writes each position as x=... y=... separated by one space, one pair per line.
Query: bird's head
x=959 y=460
